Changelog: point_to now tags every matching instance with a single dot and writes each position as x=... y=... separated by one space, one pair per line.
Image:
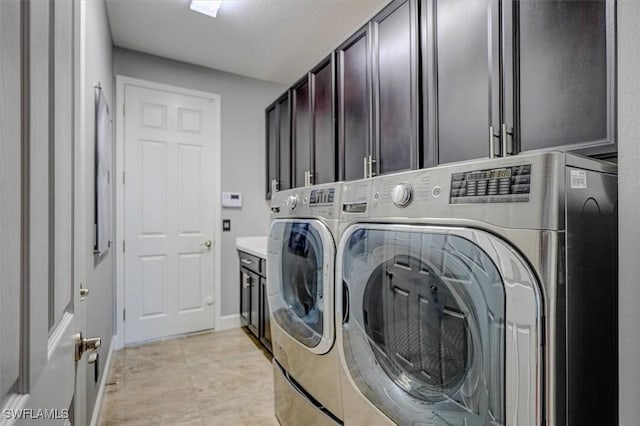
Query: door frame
x=121 y=83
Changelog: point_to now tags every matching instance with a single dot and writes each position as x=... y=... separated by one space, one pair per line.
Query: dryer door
x=300 y=268
x=440 y=325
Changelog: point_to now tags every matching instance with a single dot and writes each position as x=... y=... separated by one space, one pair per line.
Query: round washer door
x=429 y=336
x=300 y=271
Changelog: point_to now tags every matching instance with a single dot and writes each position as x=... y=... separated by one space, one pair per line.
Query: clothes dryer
x=300 y=274
x=481 y=293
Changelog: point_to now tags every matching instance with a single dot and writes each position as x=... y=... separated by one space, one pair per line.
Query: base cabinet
x=265 y=318
x=254 y=303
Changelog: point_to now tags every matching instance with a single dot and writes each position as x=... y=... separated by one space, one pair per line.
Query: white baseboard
x=228 y=322
x=103 y=382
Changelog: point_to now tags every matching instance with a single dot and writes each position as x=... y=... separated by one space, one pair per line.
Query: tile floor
x=219 y=378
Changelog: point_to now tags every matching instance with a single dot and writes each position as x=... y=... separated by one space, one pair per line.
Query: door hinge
x=122 y=109
x=123 y=178
x=124 y=315
x=123 y=246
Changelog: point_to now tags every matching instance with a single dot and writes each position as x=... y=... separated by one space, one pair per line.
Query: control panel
x=321 y=196
x=500 y=185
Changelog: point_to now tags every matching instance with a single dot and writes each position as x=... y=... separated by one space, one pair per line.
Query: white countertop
x=256 y=246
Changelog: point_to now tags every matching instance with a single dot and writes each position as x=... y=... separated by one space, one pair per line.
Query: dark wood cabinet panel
x=429 y=82
x=324 y=138
x=354 y=109
x=284 y=142
x=278 y=141
x=254 y=299
x=562 y=80
x=301 y=94
x=245 y=296
x=254 y=309
x=265 y=319
x=272 y=148
x=395 y=73
x=466 y=49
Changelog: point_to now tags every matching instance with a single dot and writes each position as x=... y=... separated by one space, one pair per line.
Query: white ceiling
x=274 y=40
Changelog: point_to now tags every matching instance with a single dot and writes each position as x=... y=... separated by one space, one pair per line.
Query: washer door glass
x=423 y=336
x=299 y=305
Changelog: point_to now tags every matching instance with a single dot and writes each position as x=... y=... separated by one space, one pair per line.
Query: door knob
x=84 y=292
x=83 y=345
x=207 y=244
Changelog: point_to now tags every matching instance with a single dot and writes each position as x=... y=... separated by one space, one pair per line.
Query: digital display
x=500 y=185
x=322 y=196
x=489 y=174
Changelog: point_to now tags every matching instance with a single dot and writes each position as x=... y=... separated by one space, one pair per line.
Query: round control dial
x=292 y=201
x=401 y=194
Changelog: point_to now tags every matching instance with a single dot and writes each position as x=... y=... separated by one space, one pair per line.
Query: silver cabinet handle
x=504 y=140
x=246 y=282
x=274 y=185
x=366 y=162
x=246 y=261
x=371 y=163
x=492 y=148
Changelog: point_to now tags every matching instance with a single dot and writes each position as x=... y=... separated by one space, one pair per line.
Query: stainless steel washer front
x=436 y=317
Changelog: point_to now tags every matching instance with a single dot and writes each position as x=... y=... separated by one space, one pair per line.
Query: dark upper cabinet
x=429 y=82
x=313 y=126
x=378 y=102
x=284 y=142
x=324 y=162
x=278 y=130
x=518 y=76
x=466 y=110
x=301 y=94
x=354 y=106
x=272 y=148
x=564 y=60
x=394 y=56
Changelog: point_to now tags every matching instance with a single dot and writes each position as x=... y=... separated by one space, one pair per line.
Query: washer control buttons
x=401 y=194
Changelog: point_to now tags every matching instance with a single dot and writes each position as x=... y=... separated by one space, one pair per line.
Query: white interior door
x=40 y=309
x=169 y=206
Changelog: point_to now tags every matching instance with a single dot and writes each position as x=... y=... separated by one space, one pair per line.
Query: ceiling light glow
x=207 y=7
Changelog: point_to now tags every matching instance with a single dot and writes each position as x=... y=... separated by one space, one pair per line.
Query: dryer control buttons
x=292 y=201
x=401 y=194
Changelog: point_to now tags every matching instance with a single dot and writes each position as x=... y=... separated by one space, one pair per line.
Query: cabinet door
x=272 y=148
x=324 y=140
x=395 y=100
x=467 y=77
x=284 y=142
x=265 y=318
x=354 y=108
x=301 y=132
x=254 y=303
x=245 y=296
x=564 y=72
